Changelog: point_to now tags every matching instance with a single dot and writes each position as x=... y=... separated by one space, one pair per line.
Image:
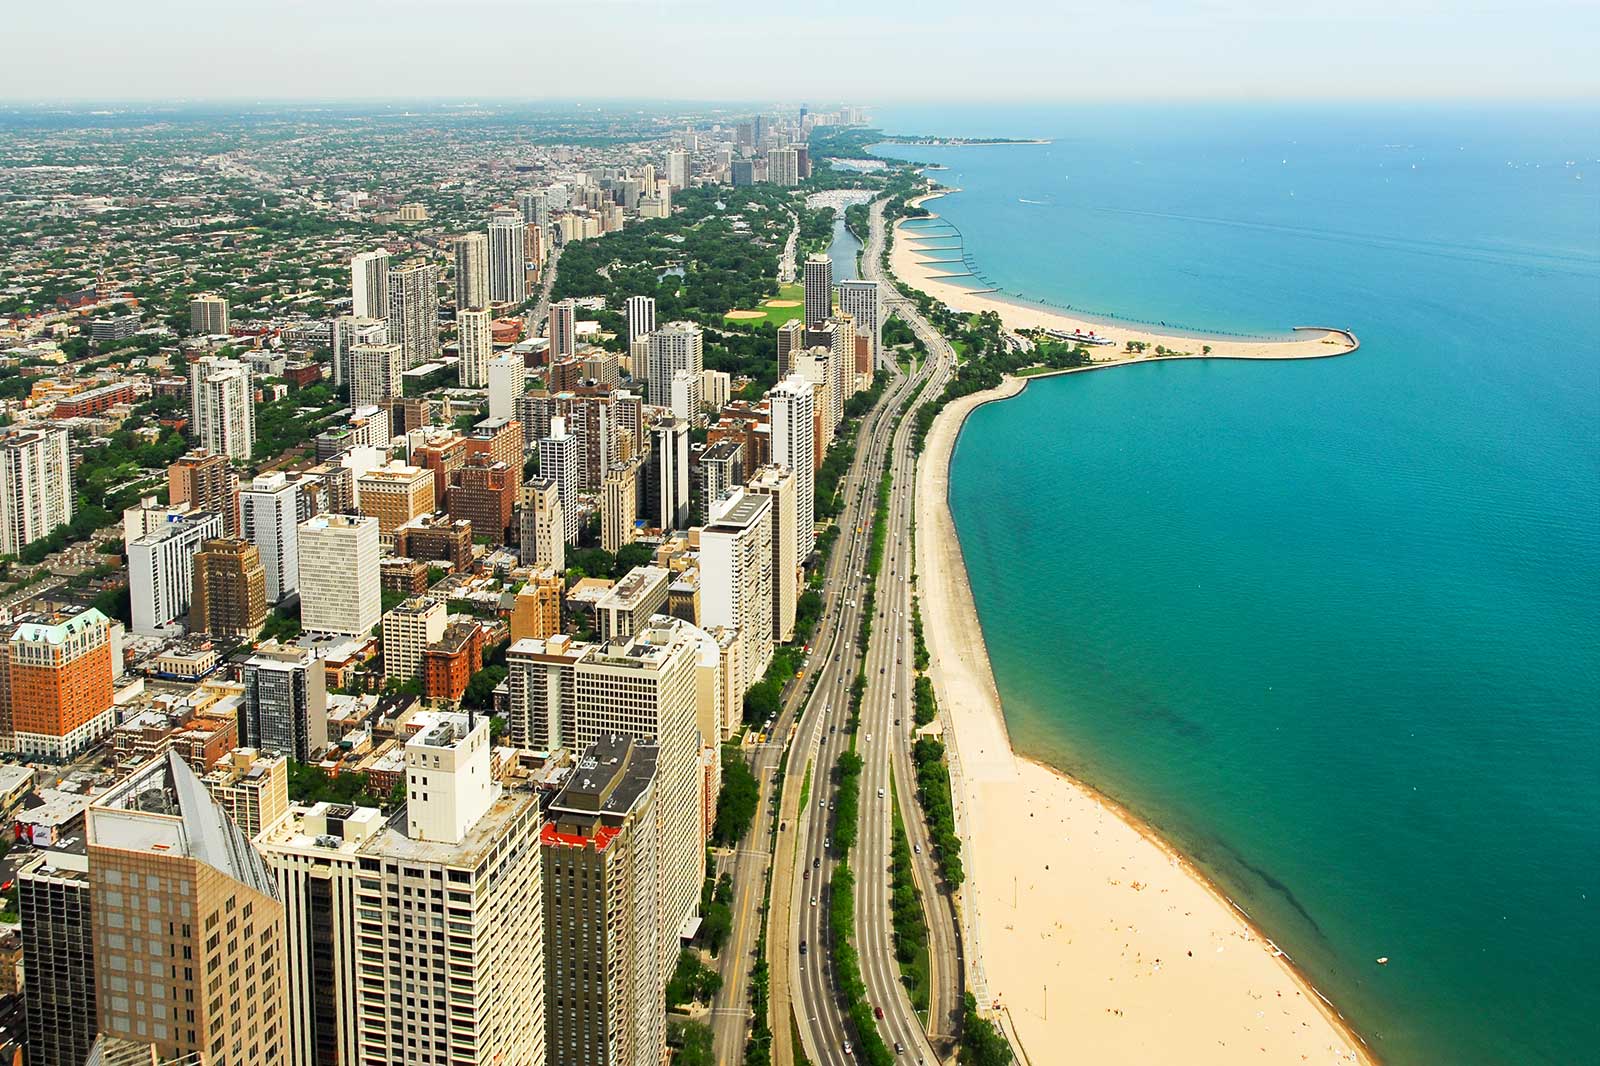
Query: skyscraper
x=369 y=284
x=736 y=577
x=206 y=481
x=414 y=312
x=508 y=271
x=473 y=986
x=674 y=347
x=58 y=681
x=779 y=483
x=271 y=510
x=222 y=406
x=791 y=342
x=669 y=473
x=161 y=571
x=349 y=331
x=818 y=289
x=563 y=329
x=604 y=990
x=678 y=169
x=166 y=860
x=558 y=462
x=208 y=314
x=408 y=629
x=861 y=301
x=783 y=166
x=229 y=596
x=475 y=342
x=285 y=708
x=543 y=526
x=35 y=485
x=619 y=505
x=794 y=447
x=472 y=271
x=507 y=379
x=535 y=207
x=375 y=371
x=340 y=590
x=641 y=312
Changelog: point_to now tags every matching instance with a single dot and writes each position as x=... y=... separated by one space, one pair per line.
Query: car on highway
x=847 y=1048
x=813 y=901
x=917 y=848
x=877 y=1012
x=898 y=1047
x=880 y=793
x=816 y=861
x=802 y=947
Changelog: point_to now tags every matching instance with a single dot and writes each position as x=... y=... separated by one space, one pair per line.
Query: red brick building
x=449 y=663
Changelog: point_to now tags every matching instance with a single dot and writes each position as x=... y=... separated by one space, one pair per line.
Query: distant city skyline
x=1018 y=49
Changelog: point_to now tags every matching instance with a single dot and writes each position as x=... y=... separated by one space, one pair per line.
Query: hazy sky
x=871 y=50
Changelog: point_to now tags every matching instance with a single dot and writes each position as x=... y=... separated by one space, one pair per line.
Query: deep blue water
x=1333 y=626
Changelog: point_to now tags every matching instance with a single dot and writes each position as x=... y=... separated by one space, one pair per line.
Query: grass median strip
x=905 y=904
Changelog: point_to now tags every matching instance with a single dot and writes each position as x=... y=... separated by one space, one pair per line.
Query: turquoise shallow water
x=1333 y=626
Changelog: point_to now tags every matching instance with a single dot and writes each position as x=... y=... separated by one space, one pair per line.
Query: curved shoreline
x=1018 y=314
x=1196 y=1007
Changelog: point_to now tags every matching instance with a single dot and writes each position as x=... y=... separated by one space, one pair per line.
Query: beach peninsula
x=915 y=266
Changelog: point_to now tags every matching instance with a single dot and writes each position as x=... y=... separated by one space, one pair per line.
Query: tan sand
x=1089 y=932
x=745 y=314
x=780 y=303
x=908 y=264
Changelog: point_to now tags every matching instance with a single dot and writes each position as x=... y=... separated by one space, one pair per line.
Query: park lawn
x=777 y=316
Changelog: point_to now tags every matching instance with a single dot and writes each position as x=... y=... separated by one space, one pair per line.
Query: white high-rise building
x=35 y=485
x=641 y=312
x=674 y=347
x=340 y=591
x=685 y=397
x=472 y=271
x=452 y=898
x=161 y=571
x=369 y=284
x=563 y=329
x=783 y=166
x=508 y=380
x=475 y=340
x=779 y=483
x=414 y=312
x=349 y=331
x=558 y=462
x=408 y=629
x=678 y=169
x=222 y=406
x=375 y=371
x=270 y=516
x=736 y=578
x=861 y=300
x=794 y=448
x=508 y=269
x=571 y=696
x=818 y=280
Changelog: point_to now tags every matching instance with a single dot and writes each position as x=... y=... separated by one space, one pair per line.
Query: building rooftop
x=637 y=583
x=165 y=809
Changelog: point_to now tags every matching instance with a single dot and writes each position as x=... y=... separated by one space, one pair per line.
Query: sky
x=868 y=50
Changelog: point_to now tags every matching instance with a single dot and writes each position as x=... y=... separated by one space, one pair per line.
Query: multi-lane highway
x=805 y=852
x=886 y=736
x=811 y=732
x=826 y=670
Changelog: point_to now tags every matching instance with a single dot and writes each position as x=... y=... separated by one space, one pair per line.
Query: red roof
x=603 y=836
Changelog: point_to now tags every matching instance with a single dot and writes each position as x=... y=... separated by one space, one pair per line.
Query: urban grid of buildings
x=536 y=750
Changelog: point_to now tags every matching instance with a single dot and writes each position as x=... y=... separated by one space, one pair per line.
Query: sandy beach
x=911 y=266
x=1095 y=941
